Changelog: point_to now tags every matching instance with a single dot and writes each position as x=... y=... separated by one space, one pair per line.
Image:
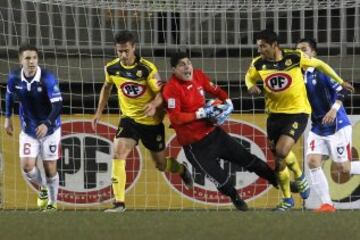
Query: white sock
x=53 y=188
x=355 y=167
x=320 y=185
x=34 y=176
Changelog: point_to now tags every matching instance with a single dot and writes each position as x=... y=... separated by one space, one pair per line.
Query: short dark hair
x=267 y=35
x=311 y=41
x=27 y=47
x=124 y=37
x=176 y=57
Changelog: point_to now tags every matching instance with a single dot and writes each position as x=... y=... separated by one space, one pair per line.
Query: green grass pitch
x=219 y=225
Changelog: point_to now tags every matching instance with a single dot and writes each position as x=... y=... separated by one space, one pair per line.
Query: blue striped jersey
x=35 y=97
x=322 y=93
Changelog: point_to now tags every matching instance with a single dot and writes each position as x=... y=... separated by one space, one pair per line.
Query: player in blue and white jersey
x=40 y=104
x=331 y=130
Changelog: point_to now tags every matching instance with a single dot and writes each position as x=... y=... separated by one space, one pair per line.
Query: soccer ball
x=217 y=104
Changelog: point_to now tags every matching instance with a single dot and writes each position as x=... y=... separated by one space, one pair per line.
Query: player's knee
x=27 y=167
x=281 y=152
x=313 y=163
x=118 y=154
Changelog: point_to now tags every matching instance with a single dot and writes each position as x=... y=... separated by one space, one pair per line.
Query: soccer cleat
x=119 y=207
x=285 y=205
x=303 y=186
x=240 y=204
x=43 y=198
x=50 y=208
x=325 y=208
x=187 y=178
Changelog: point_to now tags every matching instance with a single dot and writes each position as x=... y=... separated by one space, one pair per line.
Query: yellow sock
x=284 y=182
x=293 y=164
x=173 y=166
x=118 y=178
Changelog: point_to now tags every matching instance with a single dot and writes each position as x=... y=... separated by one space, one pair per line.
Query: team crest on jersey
x=201 y=91
x=56 y=88
x=159 y=138
x=340 y=150
x=139 y=73
x=132 y=90
x=288 y=62
x=278 y=82
x=171 y=103
x=39 y=89
x=52 y=148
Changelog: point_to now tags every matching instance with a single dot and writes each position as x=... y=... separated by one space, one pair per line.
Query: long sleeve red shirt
x=183 y=99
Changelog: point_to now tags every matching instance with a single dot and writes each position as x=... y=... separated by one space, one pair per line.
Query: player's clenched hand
x=329 y=117
x=348 y=86
x=8 y=126
x=150 y=109
x=95 y=121
x=254 y=90
x=41 y=130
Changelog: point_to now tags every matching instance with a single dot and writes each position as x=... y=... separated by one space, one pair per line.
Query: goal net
x=75 y=39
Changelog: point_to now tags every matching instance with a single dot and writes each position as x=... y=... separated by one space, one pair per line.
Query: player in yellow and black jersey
x=138 y=86
x=286 y=103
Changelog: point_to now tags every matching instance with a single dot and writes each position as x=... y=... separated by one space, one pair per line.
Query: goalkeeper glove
x=207 y=112
x=226 y=108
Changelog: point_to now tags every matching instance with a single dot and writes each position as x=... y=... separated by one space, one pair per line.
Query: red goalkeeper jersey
x=183 y=99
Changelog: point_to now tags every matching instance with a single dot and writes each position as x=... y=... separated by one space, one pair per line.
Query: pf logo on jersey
x=248 y=185
x=132 y=90
x=278 y=82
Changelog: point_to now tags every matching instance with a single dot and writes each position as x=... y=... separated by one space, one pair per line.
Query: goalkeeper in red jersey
x=203 y=141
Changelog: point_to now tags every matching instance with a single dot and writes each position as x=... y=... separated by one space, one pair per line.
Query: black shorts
x=292 y=125
x=152 y=136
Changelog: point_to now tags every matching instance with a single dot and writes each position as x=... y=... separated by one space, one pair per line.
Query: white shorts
x=336 y=146
x=47 y=147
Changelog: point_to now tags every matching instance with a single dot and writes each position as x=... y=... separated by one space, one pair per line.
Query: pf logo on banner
x=248 y=185
x=85 y=164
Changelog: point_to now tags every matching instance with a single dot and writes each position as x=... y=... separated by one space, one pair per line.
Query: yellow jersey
x=136 y=86
x=283 y=81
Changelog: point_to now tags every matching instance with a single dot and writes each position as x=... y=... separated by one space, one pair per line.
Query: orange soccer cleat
x=325 y=208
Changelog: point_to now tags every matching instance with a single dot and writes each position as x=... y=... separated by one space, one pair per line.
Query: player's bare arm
x=104 y=97
x=254 y=90
x=250 y=80
x=326 y=69
x=9 y=126
x=346 y=85
x=151 y=107
x=330 y=116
